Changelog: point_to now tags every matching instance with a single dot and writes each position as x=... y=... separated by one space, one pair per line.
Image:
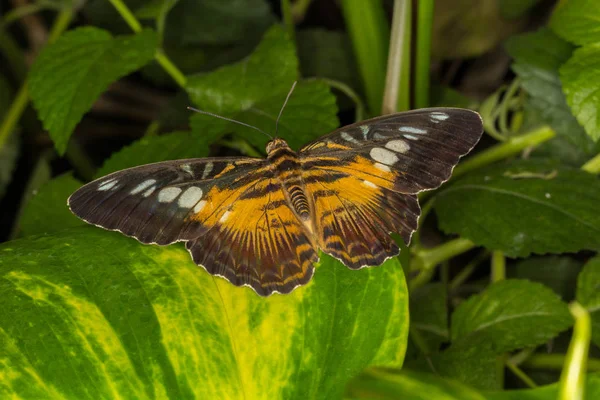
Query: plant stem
x=299 y=9
x=369 y=32
x=556 y=361
x=521 y=375
x=593 y=165
x=425 y=260
x=396 y=95
x=503 y=150
x=466 y=272
x=288 y=19
x=498 y=266
x=572 y=378
x=22 y=98
x=359 y=114
x=423 y=52
x=159 y=56
x=127 y=15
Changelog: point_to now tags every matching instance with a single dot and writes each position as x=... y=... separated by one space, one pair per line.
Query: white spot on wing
x=399 y=146
x=411 y=137
x=369 y=184
x=190 y=197
x=149 y=191
x=365 y=130
x=187 y=168
x=169 y=194
x=438 y=116
x=383 y=156
x=199 y=206
x=378 y=135
x=207 y=169
x=107 y=185
x=382 y=167
x=225 y=216
x=412 y=129
x=349 y=138
x=144 y=185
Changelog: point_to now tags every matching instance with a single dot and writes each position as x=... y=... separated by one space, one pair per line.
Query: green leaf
x=253 y=91
x=270 y=69
x=524 y=207
x=151 y=149
x=516 y=8
x=429 y=313
x=538 y=56
x=510 y=315
x=90 y=313
x=69 y=75
x=309 y=114
x=581 y=83
x=384 y=384
x=559 y=273
x=218 y=22
x=577 y=21
x=47 y=210
x=588 y=294
x=549 y=392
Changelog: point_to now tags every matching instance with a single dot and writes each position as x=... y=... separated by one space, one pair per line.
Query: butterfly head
x=276 y=144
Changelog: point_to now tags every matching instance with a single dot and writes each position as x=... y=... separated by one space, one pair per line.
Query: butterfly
x=261 y=222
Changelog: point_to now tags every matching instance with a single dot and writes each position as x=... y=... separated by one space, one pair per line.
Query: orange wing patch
x=253 y=238
x=356 y=210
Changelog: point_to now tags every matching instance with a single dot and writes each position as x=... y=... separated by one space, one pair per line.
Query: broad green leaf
x=88 y=313
x=577 y=21
x=538 y=56
x=47 y=210
x=429 y=314
x=549 y=392
x=511 y=314
x=559 y=273
x=581 y=83
x=309 y=114
x=69 y=75
x=524 y=207
x=269 y=70
x=516 y=8
x=469 y=362
x=150 y=149
x=384 y=384
x=588 y=294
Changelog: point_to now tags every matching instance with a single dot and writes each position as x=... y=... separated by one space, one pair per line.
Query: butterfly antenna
x=230 y=120
x=283 y=106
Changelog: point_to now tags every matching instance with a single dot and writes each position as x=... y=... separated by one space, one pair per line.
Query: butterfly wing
x=419 y=147
x=364 y=178
x=228 y=210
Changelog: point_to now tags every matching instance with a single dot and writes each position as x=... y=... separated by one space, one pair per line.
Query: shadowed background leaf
x=588 y=294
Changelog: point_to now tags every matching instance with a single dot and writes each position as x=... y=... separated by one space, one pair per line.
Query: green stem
x=556 y=361
x=396 y=95
x=503 y=150
x=466 y=272
x=288 y=19
x=160 y=56
x=572 y=378
x=498 y=266
x=369 y=33
x=423 y=52
x=520 y=374
x=22 y=98
x=419 y=340
x=593 y=165
x=127 y=15
x=171 y=68
x=425 y=260
x=299 y=9
x=359 y=114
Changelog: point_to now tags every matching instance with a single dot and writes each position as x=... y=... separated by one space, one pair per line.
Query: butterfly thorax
x=288 y=171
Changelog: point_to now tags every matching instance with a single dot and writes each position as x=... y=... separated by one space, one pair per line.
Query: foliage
x=502 y=271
